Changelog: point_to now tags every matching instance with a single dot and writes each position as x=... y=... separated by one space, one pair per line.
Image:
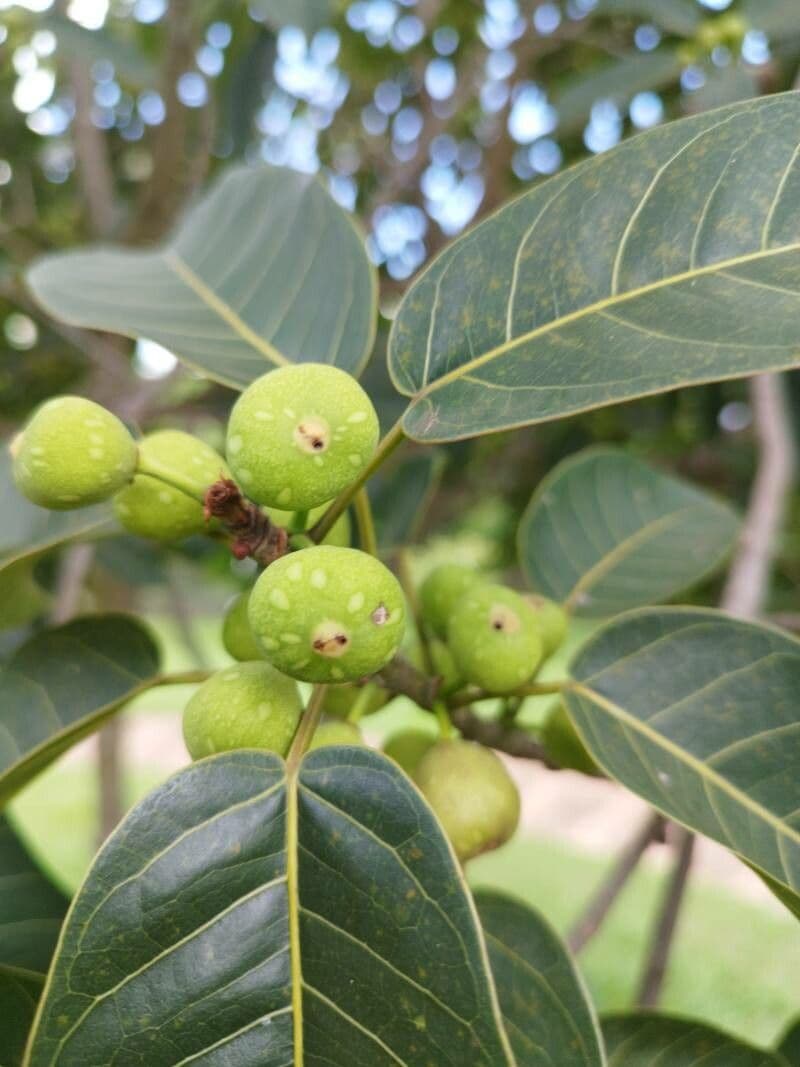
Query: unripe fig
x=249 y=705
x=553 y=622
x=237 y=637
x=494 y=637
x=563 y=745
x=72 y=453
x=300 y=434
x=340 y=699
x=471 y=794
x=327 y=614
x=441 y=591
x=444 y=666
x=338 y=535
x=21 y=597
x=336 y=733
x=408 y=747
x=149 y=507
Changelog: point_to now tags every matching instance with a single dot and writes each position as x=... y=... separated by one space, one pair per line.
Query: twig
x=514 y=742
x=254 y=534
x=658 y=957
x=365 y=523
x=603 y=900
x=748 y=581
x=400 y=676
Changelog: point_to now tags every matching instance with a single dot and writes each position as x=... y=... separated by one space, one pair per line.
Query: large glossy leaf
x=673 y=259
x=309 y=15
x=63 y=684
x=697 y=712
x=401 y=496
x=646 y=1039
x=31 y=909
x=681 y=17
x=546 y=1010
x=28 y=531
x=265 y=270
x=19 y=995
x=790 y=1045
x=604 y=532
x=239 y=918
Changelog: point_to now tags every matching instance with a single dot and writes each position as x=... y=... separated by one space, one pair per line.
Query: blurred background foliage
x=420 y=117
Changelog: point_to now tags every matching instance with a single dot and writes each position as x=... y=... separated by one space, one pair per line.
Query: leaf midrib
x=611 y=301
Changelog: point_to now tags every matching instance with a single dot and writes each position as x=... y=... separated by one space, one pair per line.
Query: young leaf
x=789 y=1047
x=240 y=916
x=604 y=532
x=546 y=1010
x=644 y=1039
x=62 y=684
x=697 y=712
x=28 y=531
x=231 y=292
x=673 y=259
x=401 y=497
x=19 y=995
x=31 y=908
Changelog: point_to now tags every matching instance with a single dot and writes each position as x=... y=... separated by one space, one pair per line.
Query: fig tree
x=472 y=795
x=72 y=453
x=327 y=614
x=441 y=590
x=249 y=705
x=300 y=434
x=494 y=637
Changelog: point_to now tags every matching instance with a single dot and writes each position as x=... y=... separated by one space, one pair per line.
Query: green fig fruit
x=336 y=733
x=72 y=453
x=408 y=747
x=237 y=637
x=249 y=705
x=441 y=591
x=553 y=622
x=327 y=614
x=300 y=434
x=563 y=745
x=494 y=637
x=149 y=507
x=340 y=700
x=339 y=535
x=471 y=794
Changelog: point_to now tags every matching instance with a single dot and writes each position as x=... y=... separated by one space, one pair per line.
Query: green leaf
x=240 y=916
x=619 y=80
x=604 y=532
x=645 y=1039
x=789 y=899
x=62 y=685
x=309 y=15
x=789 y=1047
x=697 y=712
x=232 y=292
x=28 y=531
x=401 y=496
x=31 y=909
x=546 y=1009
x=75 y=42
x=681 y=17
x=670 y=261
x=19 y=995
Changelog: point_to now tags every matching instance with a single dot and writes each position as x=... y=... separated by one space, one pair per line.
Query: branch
x=91 y=153
x=656 y=966
x=747 y=587
x=603 y=900
x=512 y=741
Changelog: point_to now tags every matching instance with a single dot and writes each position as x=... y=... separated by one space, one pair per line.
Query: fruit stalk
x=366 y=524
x=307 y=728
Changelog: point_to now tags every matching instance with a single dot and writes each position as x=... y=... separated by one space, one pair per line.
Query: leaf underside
x=697 y=712
x=62 y=684
x=237 y=917
x=546 y=1011
x=673 y=259
x=644 y=1039
x=19 y=995
x=604 y=533
x=266 y=269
